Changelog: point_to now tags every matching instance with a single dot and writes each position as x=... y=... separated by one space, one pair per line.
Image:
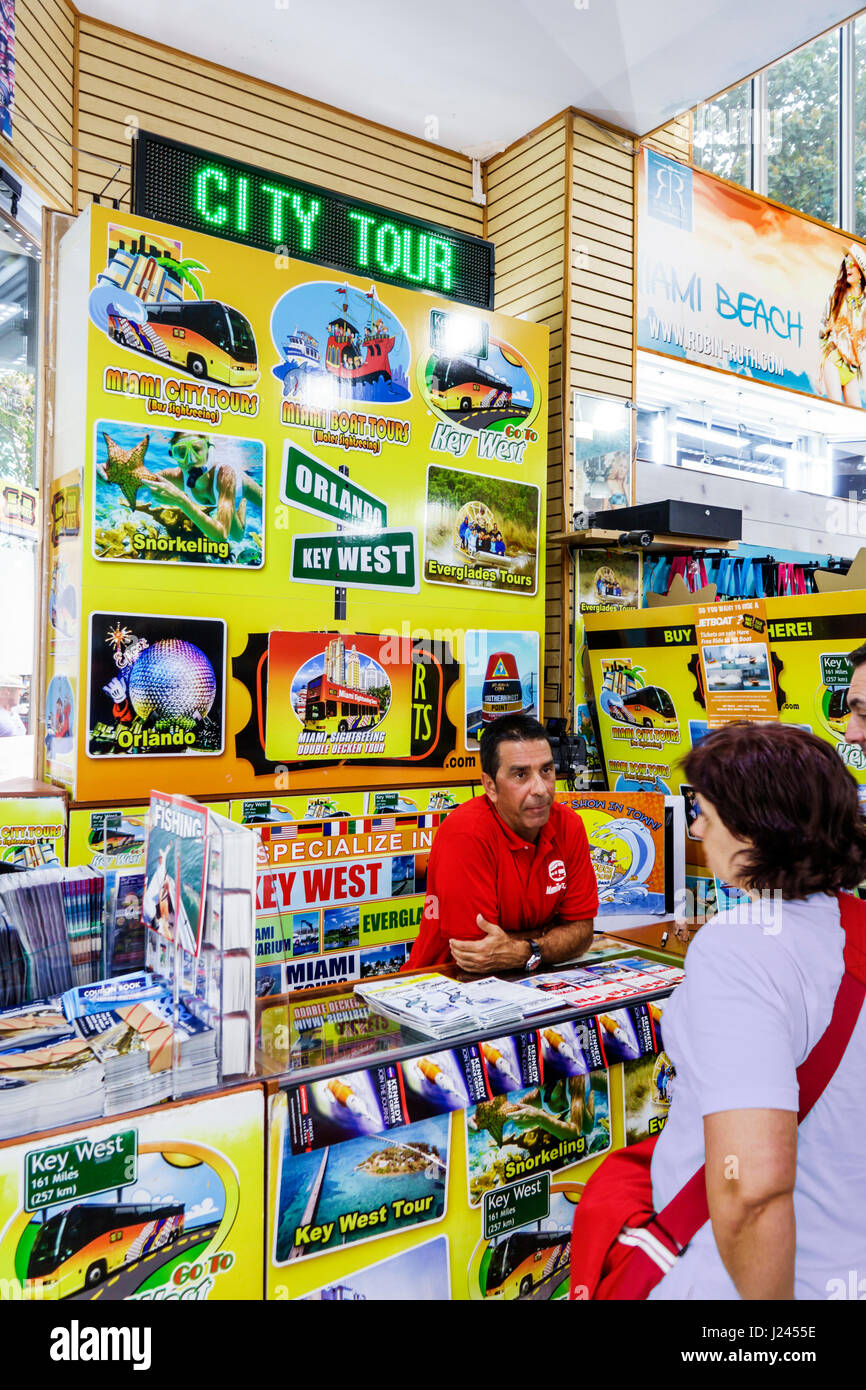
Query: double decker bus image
x=204 y=337
x=338 y=708
x=523 y=1261
x=460 y=385
x=651 y=707
x=79 y=1247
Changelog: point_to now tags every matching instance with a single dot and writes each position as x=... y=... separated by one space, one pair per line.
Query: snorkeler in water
x=213 y=496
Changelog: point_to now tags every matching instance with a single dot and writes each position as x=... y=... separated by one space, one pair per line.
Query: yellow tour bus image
x=457 y=384
x=650 y=707
x=79 y=1247
x=838 y=713
x=204 y=337
x=523 y=1261
x=337 y=708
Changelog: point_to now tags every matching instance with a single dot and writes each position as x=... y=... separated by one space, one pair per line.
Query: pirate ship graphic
x=366 y=352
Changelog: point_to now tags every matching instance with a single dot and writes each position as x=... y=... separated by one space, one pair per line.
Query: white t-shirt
x=758 y=993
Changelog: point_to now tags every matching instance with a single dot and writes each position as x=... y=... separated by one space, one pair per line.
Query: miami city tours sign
x=205 y=192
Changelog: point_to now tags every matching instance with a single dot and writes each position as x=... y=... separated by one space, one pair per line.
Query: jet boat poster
x=155 y=685
x=626 y=836
x=175 y=497
x=338 y=695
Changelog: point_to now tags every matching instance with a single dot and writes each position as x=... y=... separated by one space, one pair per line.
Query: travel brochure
x=441 y=1007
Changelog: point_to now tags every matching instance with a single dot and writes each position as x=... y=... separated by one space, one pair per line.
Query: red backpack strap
x=685 y=1213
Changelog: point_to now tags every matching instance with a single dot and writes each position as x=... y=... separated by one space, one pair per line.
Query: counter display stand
x=399 y=1168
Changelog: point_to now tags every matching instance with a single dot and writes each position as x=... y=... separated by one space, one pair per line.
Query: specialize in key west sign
x=729 y=280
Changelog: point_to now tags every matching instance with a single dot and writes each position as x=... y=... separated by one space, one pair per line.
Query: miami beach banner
x=729 y=280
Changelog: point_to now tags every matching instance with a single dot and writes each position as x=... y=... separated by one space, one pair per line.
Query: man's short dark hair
x=858 y=656
x=788 y=793
x=508 y=728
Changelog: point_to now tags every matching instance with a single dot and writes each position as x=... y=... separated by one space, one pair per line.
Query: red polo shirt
x=477 y=864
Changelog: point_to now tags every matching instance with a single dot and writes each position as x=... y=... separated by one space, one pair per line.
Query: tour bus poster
x=162 y=1205
x=32 y=831
x=649 y=683
x=331 y=394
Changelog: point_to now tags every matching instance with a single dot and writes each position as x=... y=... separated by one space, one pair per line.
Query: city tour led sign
x=192 y=188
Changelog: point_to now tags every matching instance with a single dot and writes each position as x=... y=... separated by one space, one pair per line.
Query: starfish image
x=125 y=467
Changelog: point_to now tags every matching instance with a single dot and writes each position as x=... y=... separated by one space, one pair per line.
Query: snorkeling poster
x=177 y=497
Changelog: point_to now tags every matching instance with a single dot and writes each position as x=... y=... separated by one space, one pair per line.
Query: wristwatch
x=534 y=957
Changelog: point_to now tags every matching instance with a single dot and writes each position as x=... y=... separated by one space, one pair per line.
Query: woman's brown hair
x=787 y=792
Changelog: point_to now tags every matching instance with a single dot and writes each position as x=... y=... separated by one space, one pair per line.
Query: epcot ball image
x=172 y=679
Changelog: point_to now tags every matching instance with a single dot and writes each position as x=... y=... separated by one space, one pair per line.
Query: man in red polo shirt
x=510 y=884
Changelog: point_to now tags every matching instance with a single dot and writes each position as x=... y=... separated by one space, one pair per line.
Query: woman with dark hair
x=843 y=330
x=778 y=817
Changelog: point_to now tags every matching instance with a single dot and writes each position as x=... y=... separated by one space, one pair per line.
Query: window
x=723 y=135
x=801 y=129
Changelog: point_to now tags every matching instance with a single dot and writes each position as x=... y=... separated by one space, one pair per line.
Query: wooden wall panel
x=674 y=139
x=125 y=79
x=526 y=216
x=42 y=119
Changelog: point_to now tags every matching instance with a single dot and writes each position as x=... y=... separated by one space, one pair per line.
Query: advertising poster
x=176 y=870
x=32 y=831
x=161 y=1205
x=339 y=900
x=61 y=715
x=336 y=696
x=735 y=659
x=155 y=686
x=361 y=1190
x=608 y=580
x=174 y=497
x=648 y=1089
x=419 y=1274
x=541 y=1129
x=731 y=281
x=482 y=532
x=502 y=677
x=603 y=453
x=626 y=836
x=309 y=439
x=652 y=706
x=7 y=65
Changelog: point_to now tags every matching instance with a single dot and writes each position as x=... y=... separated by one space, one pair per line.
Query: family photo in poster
x=156 y=685
x=177 y=497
